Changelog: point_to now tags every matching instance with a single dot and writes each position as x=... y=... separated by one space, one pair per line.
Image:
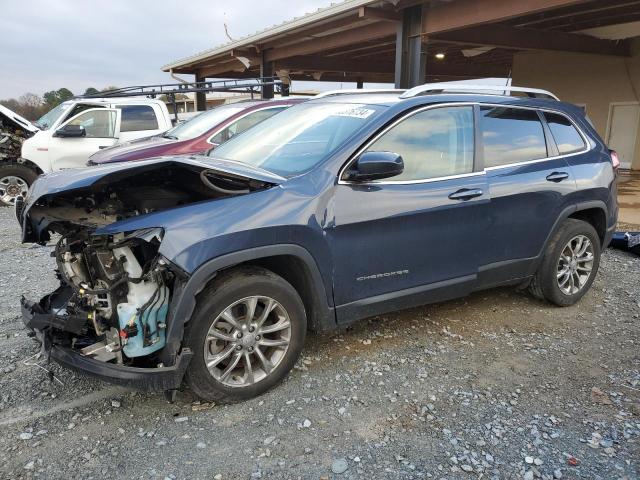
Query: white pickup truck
x=68 y=134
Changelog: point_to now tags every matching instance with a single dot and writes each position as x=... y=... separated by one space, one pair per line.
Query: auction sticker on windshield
x=356 y=112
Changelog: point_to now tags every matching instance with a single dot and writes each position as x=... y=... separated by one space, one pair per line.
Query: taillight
x=615 y=161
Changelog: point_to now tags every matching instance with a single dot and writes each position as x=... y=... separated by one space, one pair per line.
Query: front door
x=412 y=238
x=101 y=127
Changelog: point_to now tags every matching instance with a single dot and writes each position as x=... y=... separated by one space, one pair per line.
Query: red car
x=197 y=135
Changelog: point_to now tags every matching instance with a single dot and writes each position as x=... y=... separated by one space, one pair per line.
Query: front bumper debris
x=150 y=379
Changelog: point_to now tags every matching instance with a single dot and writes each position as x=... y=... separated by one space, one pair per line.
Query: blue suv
x=212 y=269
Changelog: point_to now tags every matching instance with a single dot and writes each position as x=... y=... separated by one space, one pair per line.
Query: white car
x=68 y=134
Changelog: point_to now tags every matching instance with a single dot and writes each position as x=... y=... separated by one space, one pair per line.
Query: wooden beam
x=308 y=32
x=337 y=40
x=349 y=77
x=379 y=14
x=467 y=69
x=219 y=69
x=567 y=15
x=445 y=17
x=316 y=63
x=529 y=39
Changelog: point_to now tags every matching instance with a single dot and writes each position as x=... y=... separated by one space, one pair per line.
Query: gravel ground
x=497 y=385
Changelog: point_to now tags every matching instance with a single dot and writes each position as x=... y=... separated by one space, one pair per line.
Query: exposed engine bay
x=113 y=298
x=128 y=193
x=115 y=290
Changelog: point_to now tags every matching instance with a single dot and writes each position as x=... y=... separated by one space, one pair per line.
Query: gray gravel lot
x=497 y=385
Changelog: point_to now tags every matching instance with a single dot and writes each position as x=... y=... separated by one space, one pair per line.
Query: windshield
x=199 y=124
x=49 y=118
x=297 y=139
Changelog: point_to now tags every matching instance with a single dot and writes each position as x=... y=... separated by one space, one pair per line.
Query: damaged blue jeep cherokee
x=212 y=269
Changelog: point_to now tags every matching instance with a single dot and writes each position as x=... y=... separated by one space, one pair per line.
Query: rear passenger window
x=564 y=133
x=433 y=143
x=511 y=135
x=137 y=117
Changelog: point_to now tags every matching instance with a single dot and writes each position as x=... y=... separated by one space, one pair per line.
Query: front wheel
x=15 y=180
x=246 y=334
x=569 y=265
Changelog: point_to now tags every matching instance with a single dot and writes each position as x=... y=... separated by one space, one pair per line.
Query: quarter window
x=433 y=143
x=511 y=135
x=137 y=117
x=564 y=133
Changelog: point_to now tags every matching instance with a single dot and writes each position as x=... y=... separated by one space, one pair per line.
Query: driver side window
x=438 y=142
x=97 y=123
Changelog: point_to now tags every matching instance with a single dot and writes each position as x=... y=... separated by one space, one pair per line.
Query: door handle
x=103 y=146
x=557 y=176
x=466 y=194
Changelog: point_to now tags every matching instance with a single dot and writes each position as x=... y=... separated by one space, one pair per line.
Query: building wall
x=592 y=80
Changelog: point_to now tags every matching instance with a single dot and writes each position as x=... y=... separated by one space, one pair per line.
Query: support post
x=266 y=70
x=411 y=58
x=201 y=97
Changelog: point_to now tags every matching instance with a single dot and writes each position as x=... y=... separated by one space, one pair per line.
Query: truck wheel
x=15 y=180
x=569 y=265
x=246 y=333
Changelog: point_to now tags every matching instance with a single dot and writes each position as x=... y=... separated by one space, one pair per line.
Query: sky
x=47 y=45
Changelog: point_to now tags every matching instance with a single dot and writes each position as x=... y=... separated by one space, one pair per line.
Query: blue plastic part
x=135 y=345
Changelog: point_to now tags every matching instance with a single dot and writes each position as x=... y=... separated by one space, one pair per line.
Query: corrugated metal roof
x=321 y=14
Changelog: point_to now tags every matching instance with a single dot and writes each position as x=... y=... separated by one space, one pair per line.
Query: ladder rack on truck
x=244 y=85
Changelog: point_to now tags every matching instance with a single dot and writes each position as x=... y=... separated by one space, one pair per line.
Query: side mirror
x=375 y=166
x=71 y=131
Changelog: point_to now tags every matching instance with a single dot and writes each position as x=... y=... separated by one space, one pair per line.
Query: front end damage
x=109 y=314
x=112 y=311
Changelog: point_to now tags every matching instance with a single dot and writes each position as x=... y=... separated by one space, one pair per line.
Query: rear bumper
x=151 y=379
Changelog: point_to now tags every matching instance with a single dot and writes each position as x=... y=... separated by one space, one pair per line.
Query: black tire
x=226 y=289
x=544 y=284
x=17 y=170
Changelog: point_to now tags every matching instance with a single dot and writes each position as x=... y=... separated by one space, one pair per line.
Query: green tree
x=56 y=97
x=91 y=91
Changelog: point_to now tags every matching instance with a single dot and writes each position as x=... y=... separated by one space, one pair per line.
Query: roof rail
x=347 y=91
x=455 y=87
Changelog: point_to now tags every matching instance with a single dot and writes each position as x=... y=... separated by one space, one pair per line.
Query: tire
x=561 y=281
x=238 y=287
x=9 y=188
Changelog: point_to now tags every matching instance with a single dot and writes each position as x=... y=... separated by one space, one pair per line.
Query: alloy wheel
x=247 y=341
x=12 y=187
x=575 y=265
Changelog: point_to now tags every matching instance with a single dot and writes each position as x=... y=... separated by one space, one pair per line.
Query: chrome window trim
x=585 y=140
x=588 y=146
x=389 y=127
x=284 y=107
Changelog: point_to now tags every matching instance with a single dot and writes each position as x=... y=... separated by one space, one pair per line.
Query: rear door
x=415 y=237
x=139 y=121
x=529 y=183
x=101 y=126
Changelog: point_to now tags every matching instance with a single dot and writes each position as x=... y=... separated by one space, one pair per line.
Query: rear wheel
x=569 y=265
x=246 y=334
x=15 y=180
